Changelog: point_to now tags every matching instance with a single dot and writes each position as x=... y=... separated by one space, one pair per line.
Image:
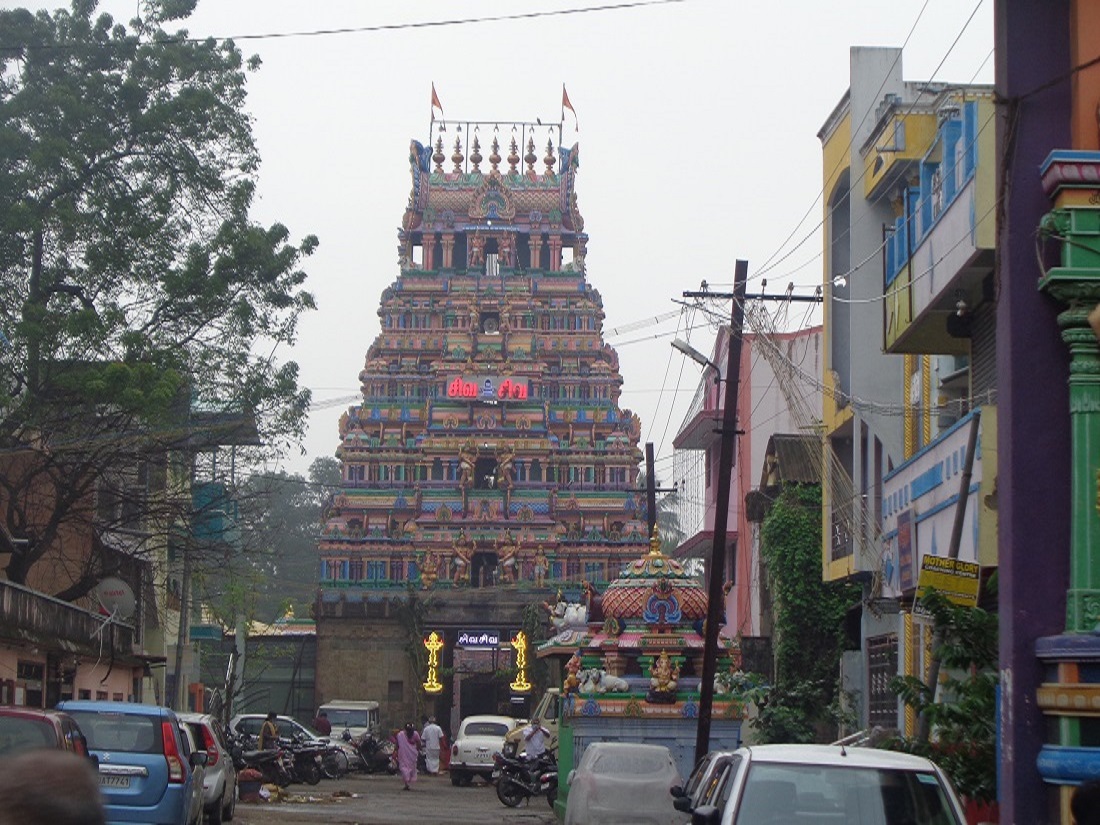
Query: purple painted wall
x=1032 y=48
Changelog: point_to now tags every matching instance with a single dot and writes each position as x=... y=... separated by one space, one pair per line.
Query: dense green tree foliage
x=964 y=717
x=136 y=287
x=809 y=622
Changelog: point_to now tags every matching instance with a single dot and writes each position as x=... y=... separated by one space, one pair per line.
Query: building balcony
x=37 y=619
x=938 y=256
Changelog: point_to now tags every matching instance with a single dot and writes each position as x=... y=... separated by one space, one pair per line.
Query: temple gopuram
x=489 y=465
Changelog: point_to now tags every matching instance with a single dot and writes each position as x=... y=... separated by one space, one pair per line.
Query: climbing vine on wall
x=809 y=621
x=412 y=613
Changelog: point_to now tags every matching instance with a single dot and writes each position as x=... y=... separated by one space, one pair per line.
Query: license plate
x=112 y=781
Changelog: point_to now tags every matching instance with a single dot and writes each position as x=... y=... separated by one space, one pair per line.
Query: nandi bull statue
x=567 y=615
x=595 y=680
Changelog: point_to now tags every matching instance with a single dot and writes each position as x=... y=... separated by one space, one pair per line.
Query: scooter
x=517 y=780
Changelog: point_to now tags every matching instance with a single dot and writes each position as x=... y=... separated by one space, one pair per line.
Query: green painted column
x=1083 y=596
x=1075 y=225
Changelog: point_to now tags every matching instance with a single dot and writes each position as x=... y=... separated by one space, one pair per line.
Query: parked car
x=623 y=782
x=190 y=746
x=219 y=783
x=857 y=786
x=479 y=737
x=247 y=726
x=23 y=729
x=146 y=770
x=710 y=782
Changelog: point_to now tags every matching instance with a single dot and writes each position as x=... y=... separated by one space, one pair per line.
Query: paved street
x=380 y=800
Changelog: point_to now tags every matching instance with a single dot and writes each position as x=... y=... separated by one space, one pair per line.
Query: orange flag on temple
x=565 y=104
x=435 y=103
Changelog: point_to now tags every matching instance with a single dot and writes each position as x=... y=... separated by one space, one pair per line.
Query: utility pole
x=721 y=511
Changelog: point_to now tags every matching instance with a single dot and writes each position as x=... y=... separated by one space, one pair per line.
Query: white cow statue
x=594 y=680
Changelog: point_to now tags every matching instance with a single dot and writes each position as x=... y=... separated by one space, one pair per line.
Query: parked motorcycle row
x=307 y=761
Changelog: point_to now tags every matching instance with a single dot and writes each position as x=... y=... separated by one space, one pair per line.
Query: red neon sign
x=462 y=388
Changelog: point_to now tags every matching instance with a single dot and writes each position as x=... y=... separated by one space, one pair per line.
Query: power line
x=381 y=27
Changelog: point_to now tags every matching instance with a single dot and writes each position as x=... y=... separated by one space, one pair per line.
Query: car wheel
x=229 y=810
x=214 y=814
x=465 y=779
x=456 y=778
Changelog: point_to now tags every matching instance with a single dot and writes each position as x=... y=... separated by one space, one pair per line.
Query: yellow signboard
x=958 y=581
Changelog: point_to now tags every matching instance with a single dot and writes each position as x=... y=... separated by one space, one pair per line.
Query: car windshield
x=119 y=731
x=485 y=729
x=624 y=762
x=19 y=734
x=348 y=718
x=831 y=793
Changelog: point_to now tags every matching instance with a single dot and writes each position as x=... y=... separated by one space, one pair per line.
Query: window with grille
x=882 y=667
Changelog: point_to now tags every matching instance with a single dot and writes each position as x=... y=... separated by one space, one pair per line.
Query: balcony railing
x=33 y=617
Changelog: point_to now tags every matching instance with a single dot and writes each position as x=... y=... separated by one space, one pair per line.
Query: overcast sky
x=698 y=127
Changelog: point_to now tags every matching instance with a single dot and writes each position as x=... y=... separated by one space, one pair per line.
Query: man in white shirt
x=433 y=738
x=535 y=737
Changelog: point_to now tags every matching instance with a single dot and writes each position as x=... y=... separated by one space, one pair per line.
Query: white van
x=355 y=716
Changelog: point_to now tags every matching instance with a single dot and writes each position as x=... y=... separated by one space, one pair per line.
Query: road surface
x=382 y=800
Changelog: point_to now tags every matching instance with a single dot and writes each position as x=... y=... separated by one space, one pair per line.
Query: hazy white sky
x=698 y=145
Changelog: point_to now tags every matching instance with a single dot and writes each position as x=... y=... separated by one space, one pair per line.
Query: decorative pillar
x=1070 y=699
x=448 y=242
x=535 y=243
x=429 y=251
x=555 y=252
x=1072 y=179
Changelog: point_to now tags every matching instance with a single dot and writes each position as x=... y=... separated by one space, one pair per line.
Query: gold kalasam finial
x=655 y=543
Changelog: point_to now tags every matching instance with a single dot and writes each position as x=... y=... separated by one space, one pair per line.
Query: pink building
x=779 y=393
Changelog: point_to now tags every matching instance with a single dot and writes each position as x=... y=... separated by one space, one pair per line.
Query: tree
x=281 y=517
x=137 y=289
x=809 y=621
x=964 y=720
x=668 y=516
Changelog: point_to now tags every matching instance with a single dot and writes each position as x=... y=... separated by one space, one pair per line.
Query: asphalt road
x=382 y=800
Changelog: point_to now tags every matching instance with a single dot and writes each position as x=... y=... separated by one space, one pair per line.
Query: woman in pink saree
x=408 y=747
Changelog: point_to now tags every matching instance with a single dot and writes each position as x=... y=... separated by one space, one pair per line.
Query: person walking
x=321 y=724
x=433 y=739
x=269 y=733
x=408 y=748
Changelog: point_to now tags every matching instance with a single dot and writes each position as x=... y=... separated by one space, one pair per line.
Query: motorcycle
x=517 y=780
x=276 y=766
x=305 y=760
x=375 y=755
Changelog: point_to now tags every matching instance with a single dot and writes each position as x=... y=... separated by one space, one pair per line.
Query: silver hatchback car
x=219 y=785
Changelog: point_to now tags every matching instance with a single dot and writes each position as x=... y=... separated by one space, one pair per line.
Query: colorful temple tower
x=489 y=464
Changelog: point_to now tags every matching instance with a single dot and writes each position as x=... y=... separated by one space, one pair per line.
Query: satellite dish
x=115 y=598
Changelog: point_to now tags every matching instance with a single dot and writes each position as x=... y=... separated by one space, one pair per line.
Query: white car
x=779 y=784
x=479 y=737
x=623 y=782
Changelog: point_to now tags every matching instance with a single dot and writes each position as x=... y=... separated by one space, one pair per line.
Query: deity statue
x=664 y=676
x=429 y=570
x=506 y=558
x=463 y=552
x=542 y=567
x=572 y=668
x=467 y=460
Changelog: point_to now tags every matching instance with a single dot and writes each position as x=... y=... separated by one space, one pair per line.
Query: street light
x=696 y=356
